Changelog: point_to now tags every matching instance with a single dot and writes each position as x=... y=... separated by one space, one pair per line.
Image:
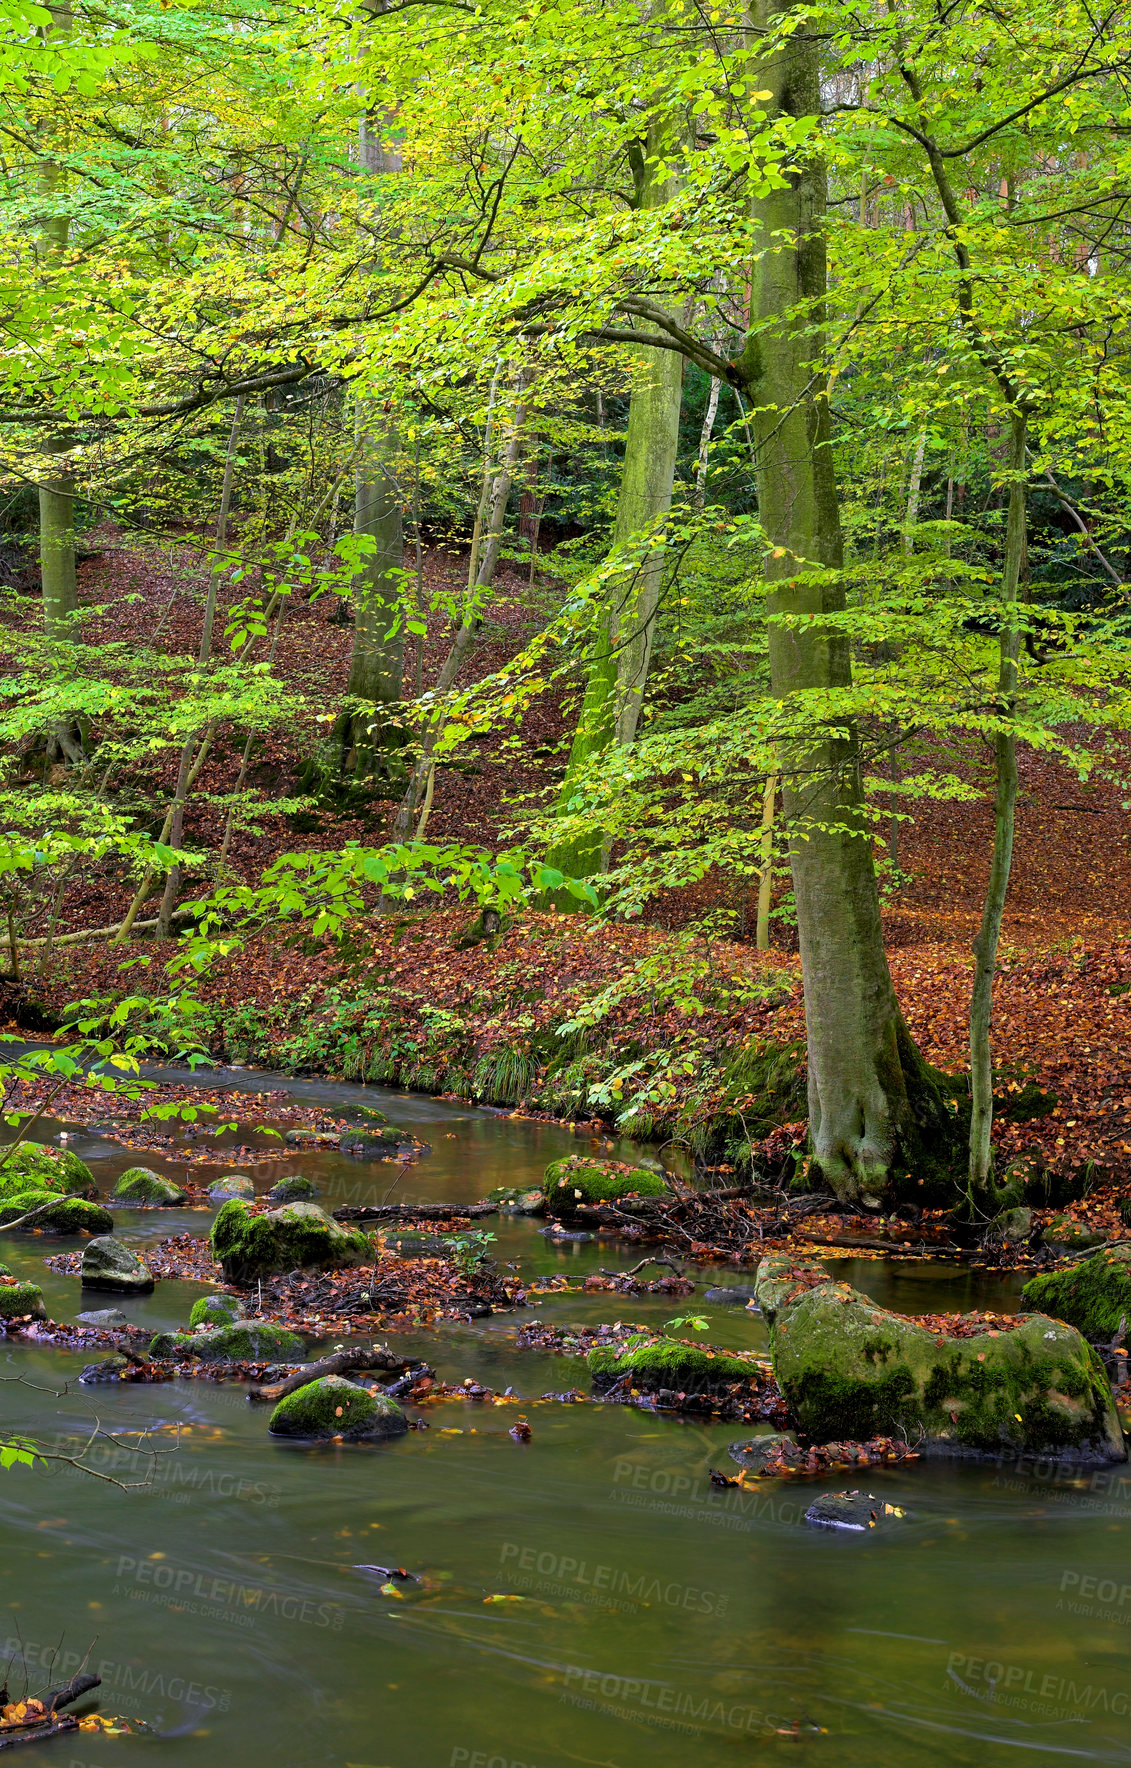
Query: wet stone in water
x=107 y=1318
x=108 y=1264
x=858 y=1511
x=740 y=1296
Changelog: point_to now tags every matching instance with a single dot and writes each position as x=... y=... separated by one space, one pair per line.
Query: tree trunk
x=1005 y=808
x=872 y=1099
x=618 y=673
x=369 y=736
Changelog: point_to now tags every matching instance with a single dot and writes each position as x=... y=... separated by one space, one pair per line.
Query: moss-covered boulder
x=780 y=1280
x=231 y=1185
x=296 y=1236
x=32 y=1167
x=293 y=1190
x=215 y=1310
x=17 y=1300
x=577 y=1180
x=61 y=1215
x=108 y=1264
x=334 y=1407
x=243 y=1341
x=517 y=1200
x=669 y=1364
x=851 y=1370
x=143 y=1189
x=1094 y=1295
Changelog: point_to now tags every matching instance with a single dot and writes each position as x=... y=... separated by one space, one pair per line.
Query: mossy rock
x=334 y=1407
x=849 y=1370
x=215 y=1310
x=669 y=1363
x=243 y=1341
x=232 y=1185
x=298 y=1236
x=67 y=1215
x=18 y=1299
x=1072 y=1234
x=293 y=1190
x=109 y=1264
x=1094 y=1295
x=5 y=1271
x=34 y=1167
x=780 y=1279
x=576 y=1180
x=144 y=1189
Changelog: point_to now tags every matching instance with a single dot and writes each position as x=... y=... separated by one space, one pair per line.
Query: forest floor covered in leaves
x=405 y=1003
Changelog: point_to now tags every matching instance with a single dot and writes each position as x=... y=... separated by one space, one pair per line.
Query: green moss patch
x=20 y=1299
x=215 y=1310
x=574 y=1181
x=670 y=1363
x=242 y=1342
x=1094 y=1295
x=334 y=1407
x=297 y=1236
x=293 y=1190
x=66 y=1215
x=147 y=1190
x=850 y=1370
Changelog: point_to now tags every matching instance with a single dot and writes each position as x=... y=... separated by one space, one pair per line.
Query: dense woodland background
x=564 y=535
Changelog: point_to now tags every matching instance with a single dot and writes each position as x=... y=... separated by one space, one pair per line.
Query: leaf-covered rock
x=333 y=1407
x=232 y=1185
x=577 y=1180
x=293 y=1237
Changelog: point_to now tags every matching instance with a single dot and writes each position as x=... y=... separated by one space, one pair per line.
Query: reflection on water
x=651 y=1618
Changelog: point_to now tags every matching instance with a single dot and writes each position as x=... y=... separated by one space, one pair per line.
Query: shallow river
x=662 y=1621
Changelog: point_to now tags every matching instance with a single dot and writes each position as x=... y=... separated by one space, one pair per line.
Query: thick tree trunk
x=872 y=1101
x=1005 y=808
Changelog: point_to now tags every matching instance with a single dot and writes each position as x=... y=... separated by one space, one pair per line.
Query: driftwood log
x=50 y=1722
x=411 y=1212
x=338 y=1363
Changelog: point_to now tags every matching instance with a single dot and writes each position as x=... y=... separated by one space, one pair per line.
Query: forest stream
x=583 y=1597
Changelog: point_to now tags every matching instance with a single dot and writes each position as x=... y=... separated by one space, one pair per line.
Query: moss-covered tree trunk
x=873 y=1106
x=618 y=673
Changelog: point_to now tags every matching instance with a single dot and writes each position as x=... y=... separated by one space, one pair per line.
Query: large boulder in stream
x=849 y=1369
x=1094 y=1295
x=296 y=1236
x=334 y=1407
x=32 y=1167
x=109 y=1264
x=243 y=1341
x=19 y=1300
x=143 y=1189
x=55 y=1214
x=578 y=1180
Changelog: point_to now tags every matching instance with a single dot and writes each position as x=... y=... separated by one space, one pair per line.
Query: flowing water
x=661 y=1620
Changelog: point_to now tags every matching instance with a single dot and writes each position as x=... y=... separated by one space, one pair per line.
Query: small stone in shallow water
x=851 y=1510
x=110 y=1369
x=331 y=1407
x=756 y=1451
x=293 y=1190
x=105 y=1317
x=147 y=1190
x=231 y=1185
x=739 y=1295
